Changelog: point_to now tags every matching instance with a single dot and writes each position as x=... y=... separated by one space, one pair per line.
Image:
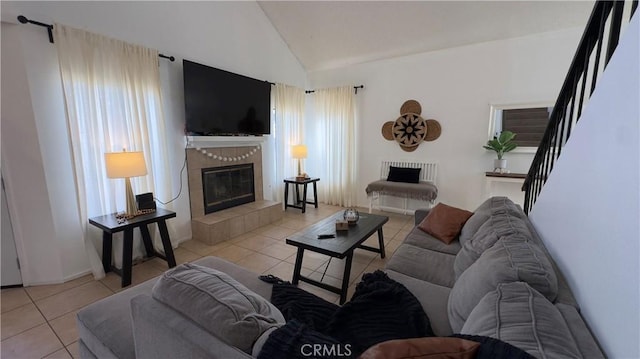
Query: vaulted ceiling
x=328 y=34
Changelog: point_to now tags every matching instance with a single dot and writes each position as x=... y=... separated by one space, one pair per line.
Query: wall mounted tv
x=222 y=103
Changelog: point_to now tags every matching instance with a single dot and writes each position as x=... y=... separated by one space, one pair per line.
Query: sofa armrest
x=420 y=215
x=161 y=332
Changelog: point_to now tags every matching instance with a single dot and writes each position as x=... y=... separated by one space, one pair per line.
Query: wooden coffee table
x=342 y=246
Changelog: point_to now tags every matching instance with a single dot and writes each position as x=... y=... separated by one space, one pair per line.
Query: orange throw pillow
x=423 y=348
x=445 y=222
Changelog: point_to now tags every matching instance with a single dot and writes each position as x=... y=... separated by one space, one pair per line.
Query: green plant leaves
x=509 y=147
x=506 y=136
x=502 y=144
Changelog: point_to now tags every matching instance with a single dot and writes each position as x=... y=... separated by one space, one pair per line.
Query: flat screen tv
x=222 y=103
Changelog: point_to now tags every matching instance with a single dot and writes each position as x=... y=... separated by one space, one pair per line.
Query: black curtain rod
x=354 y=87
x=24 y=20
x=170 y=58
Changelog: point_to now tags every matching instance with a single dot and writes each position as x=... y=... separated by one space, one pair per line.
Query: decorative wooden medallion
x=433 y=130
x=410 y=129
x=411 y=106
x=387 y=131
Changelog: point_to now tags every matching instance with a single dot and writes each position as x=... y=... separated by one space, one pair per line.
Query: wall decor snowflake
x=410 y=129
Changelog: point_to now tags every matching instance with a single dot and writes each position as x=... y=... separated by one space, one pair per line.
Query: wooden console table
x=109 y=225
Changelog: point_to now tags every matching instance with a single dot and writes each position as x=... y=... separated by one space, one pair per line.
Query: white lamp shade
x=125 y=164
x=299 y=151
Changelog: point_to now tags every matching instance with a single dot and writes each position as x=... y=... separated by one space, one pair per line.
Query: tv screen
x=219 y=102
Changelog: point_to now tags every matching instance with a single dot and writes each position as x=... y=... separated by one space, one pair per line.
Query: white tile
x=20 y=319
x=33 y=343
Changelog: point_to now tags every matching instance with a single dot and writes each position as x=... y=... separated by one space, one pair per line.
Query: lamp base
x=131 y=202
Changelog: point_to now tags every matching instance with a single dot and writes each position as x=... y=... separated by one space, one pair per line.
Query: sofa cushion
x=445 y=222
x=419 y=238
x=507 y=261
x=585 y=341
x=218 y=303
x=423 y=348
x=432 y=297
x=493 y=205
x=519 y=315
x=161 y=332
x=105 y=326
x=480 y=215
x=423 y=264
x=420 y=214
x=500 y=224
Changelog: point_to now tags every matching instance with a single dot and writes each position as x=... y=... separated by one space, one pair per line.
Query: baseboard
x=395 y=210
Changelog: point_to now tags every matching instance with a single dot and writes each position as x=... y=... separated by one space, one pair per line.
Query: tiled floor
x=39 y=322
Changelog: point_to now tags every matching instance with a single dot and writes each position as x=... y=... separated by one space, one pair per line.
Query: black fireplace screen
x=227 y=186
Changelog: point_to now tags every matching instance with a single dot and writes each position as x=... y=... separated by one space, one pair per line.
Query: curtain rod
x=354 y=87
x=24 y=20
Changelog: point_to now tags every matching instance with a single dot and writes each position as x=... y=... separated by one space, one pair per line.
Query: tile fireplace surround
x=223 y=225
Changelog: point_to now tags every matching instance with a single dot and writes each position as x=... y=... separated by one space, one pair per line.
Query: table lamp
x=126 y=165
x=299 y=152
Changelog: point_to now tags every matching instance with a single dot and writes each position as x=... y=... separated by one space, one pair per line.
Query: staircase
x=599 y=40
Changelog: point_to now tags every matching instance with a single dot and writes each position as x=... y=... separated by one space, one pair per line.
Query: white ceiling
x=329 y=34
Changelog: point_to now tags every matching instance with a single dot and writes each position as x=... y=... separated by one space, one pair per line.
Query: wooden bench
x=425 y=190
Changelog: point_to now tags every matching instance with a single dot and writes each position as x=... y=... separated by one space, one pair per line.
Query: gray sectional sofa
x=496 y=279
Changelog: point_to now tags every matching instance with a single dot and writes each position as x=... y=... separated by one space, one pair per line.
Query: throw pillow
x=217 y=303
x=517 y=314
x=404 y=174
x=416 y=348
x=445 y=222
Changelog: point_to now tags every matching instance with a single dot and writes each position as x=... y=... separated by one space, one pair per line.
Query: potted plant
x=501 y=144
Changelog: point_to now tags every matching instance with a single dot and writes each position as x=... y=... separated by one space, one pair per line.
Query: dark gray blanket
x=381 y=309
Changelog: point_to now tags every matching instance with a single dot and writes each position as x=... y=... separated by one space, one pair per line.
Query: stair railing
x=602 y=33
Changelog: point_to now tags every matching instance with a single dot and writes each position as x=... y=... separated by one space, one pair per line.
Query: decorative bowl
x=351 y=215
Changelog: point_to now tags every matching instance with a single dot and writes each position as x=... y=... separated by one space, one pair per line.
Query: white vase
x=499 y=165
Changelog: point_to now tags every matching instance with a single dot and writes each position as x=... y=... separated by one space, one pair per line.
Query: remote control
x=325 y=236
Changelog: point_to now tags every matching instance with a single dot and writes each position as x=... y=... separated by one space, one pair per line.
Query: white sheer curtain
x=334 y=132
x=113 y=101
x=289 y=114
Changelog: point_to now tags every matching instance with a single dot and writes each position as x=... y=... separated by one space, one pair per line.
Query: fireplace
x=227 y=186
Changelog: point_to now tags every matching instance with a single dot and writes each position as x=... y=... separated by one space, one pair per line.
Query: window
x=527 y=121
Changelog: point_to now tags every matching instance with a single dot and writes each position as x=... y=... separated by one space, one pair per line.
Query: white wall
x=39 y=249
x=234 y=36
x=588 y=212
x=455 y=86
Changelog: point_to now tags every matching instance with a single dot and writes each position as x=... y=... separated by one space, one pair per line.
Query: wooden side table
x=300 y=203
x=109 y=225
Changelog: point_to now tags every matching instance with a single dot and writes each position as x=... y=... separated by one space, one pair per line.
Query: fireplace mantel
x=224 y=141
